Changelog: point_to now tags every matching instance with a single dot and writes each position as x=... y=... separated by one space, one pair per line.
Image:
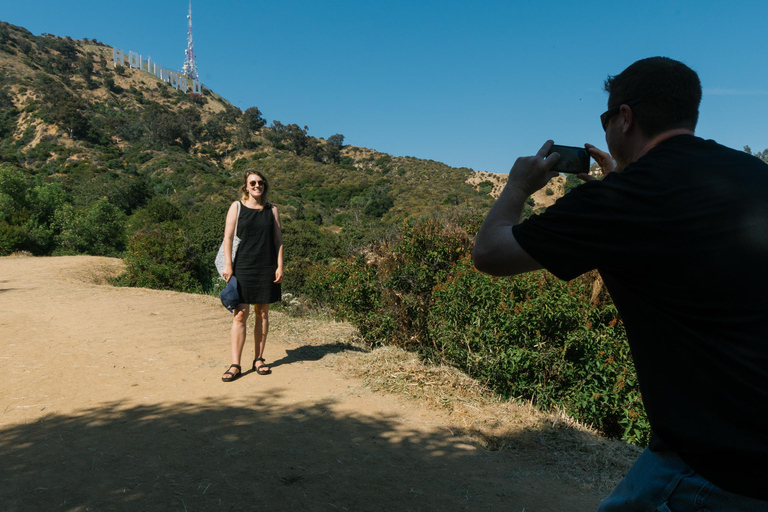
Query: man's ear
x=627 y=118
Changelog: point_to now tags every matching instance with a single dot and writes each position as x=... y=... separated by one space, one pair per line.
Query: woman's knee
x=241 y=314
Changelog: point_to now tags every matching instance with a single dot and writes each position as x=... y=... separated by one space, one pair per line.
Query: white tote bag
x=219 y=261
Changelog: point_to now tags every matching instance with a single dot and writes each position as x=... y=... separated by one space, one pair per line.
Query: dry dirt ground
x=111 y=399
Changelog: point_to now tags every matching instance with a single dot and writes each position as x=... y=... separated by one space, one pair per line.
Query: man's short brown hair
x=669 y=94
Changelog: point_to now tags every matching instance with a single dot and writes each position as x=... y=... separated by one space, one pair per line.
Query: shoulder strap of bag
x=237 y=219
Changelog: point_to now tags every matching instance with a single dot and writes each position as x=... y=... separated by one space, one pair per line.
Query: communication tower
x=190 y=66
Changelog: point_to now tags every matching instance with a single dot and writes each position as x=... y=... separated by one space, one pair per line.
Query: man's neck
x=658 y=139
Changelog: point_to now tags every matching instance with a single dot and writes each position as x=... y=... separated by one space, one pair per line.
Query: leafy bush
x=98 y=229
x=558 y=344
x=485 y=187
x=386 y=294
x=27 y=214
x=305 y=245
x=12 y=238
x=161 y=257
x=544 y=339
x=205 y=227
x=352 y=287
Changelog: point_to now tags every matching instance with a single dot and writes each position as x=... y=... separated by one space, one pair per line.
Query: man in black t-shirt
x=678 y=228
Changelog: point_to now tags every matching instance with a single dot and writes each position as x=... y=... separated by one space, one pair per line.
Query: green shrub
x=98 y=229
x=12 y=238
x=205 y=227
x=161 y=257
x=559 y=344
x=351 y=286
x=305 y=245
x=537 y=337
x=485 y=187
x=387 y=298
x=342 y=219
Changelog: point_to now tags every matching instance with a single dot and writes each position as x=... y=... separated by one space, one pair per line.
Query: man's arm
x=496 y=251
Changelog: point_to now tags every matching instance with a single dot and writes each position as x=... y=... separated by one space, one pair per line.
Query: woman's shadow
x=312 y=353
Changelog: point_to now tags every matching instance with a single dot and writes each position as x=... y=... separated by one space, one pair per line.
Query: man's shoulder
x=689 y=152
x=692 y=144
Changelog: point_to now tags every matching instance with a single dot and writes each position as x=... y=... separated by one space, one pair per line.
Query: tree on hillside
x=191 y=121
x=164 y=127
x=250 y=123
x=333 y=148
x=276 y=134
x=293 y=138
x=252 y=119
x=85 y=65
x=763 y=155
x=378 y=202
x=63 y=108
x=8 y=114
x=298 y=140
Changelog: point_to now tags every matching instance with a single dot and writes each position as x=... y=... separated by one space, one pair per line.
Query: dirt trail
x=111 y=399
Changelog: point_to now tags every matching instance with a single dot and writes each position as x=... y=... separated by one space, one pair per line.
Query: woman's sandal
x=263 y=369
x=234 y=376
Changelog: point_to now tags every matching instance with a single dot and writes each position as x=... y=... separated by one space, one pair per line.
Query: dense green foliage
x=533 y=336
x=162 y=257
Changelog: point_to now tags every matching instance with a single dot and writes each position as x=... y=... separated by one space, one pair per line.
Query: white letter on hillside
x=118 y=55
x=134 y=60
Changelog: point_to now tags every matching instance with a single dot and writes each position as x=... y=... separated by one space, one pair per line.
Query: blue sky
x=472 y=84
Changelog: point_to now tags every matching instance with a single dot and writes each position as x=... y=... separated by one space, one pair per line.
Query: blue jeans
x=662 y=482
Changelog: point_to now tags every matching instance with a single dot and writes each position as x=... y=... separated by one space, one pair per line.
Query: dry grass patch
x=573 y=450
x=99 y=270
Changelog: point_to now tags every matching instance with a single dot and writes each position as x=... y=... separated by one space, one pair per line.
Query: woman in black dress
x=258 y=267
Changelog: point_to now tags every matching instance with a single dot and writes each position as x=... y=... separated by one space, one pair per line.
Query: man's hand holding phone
x=603 y=159
x=532 y=173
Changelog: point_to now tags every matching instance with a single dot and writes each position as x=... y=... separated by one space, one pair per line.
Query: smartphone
x=573 y=160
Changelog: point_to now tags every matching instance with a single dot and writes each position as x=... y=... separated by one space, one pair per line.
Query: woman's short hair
x=668 y=94
x=244 y=187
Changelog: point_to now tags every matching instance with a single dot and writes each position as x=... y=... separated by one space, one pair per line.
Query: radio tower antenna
x=190 y=65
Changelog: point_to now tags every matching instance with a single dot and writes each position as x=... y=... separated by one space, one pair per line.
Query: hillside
x=94 y=155
x=71 y=116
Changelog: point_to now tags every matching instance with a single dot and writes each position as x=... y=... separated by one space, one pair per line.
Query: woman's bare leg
x=260 y=331
x=238 y=331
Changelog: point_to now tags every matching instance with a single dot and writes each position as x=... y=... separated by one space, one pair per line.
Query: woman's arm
x=279 y=244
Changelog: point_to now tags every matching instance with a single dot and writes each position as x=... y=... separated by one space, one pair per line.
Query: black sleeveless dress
x=256 y=258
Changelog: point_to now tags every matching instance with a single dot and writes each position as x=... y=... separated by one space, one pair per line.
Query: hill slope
x=70 y=116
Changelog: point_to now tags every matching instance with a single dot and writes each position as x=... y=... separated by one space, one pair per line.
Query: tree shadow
x=308 y=456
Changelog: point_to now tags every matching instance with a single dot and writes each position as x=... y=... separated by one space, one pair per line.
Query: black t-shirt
x=681 y=240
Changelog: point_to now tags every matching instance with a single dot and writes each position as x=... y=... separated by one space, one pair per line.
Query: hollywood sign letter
x=177 y=80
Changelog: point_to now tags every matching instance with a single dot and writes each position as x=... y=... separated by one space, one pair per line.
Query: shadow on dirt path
x=190 y=456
